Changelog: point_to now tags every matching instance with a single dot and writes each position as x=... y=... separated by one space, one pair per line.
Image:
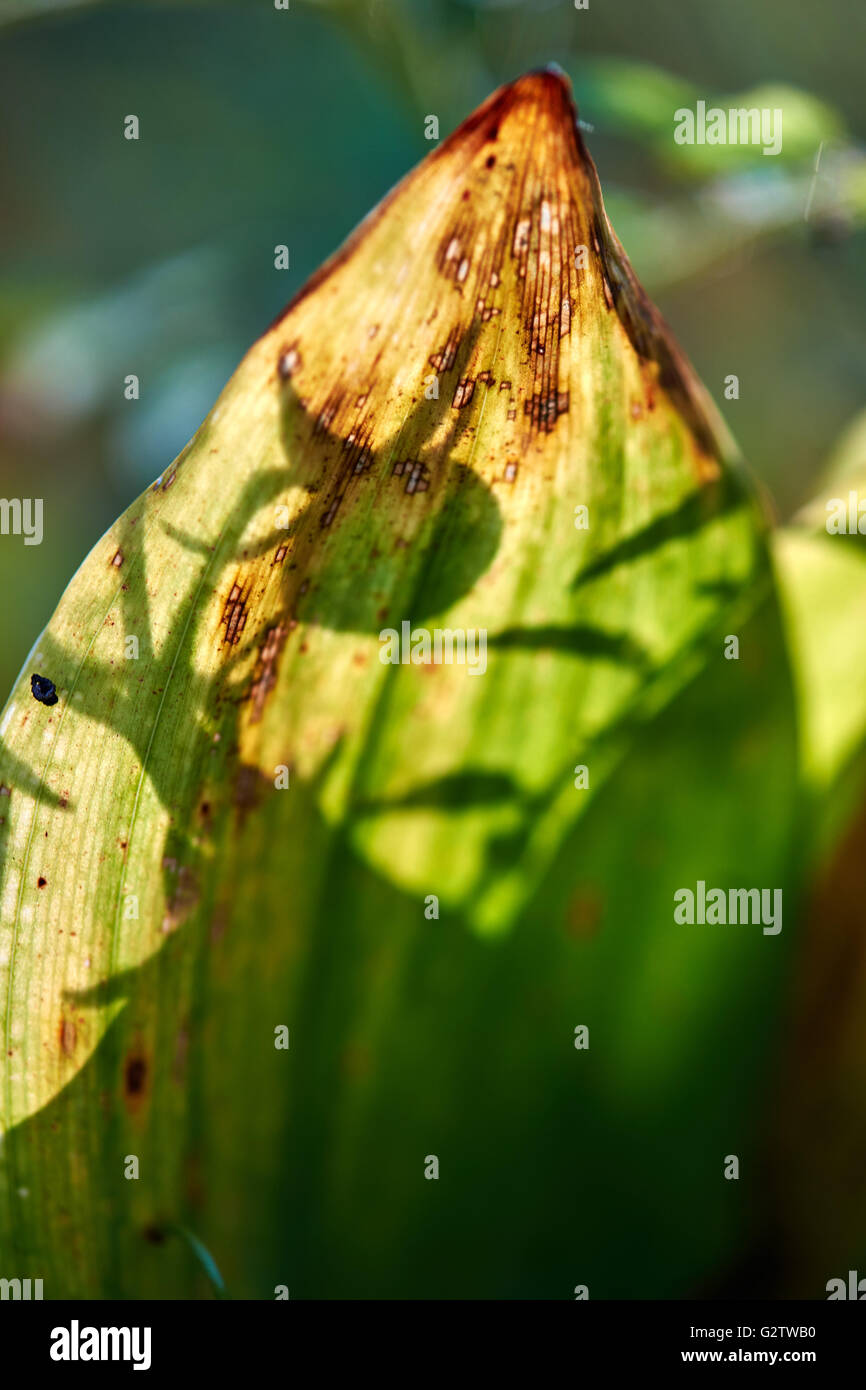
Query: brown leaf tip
x=517 y=234
x=546 y=91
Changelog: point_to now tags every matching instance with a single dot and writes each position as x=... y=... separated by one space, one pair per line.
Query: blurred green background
x=261 y=126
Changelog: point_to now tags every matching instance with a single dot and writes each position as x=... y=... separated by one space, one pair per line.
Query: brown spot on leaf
x=463 y=393
x=135 y=1075
x=68 y=1036
x=416 y=473
x=117 y=559
x=444 y=359
x=328 y=413
x=182 y=900
x=357 y=448
x=544 y=411
x=265 y=674
x=249 y=784
x=234 y=614
x=328 y=516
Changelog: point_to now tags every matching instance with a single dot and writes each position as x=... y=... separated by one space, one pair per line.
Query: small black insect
x=43 y=690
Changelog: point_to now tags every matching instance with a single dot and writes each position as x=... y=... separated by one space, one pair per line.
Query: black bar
x=416 y=1340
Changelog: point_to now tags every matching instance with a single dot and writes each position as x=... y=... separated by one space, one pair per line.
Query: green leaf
x=815 y=1187
x=822 y=582
x=411 y=442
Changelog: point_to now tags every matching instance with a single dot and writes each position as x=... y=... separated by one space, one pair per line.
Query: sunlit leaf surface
x=471 y=419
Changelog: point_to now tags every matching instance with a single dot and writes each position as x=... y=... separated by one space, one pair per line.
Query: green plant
x=239 y=820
